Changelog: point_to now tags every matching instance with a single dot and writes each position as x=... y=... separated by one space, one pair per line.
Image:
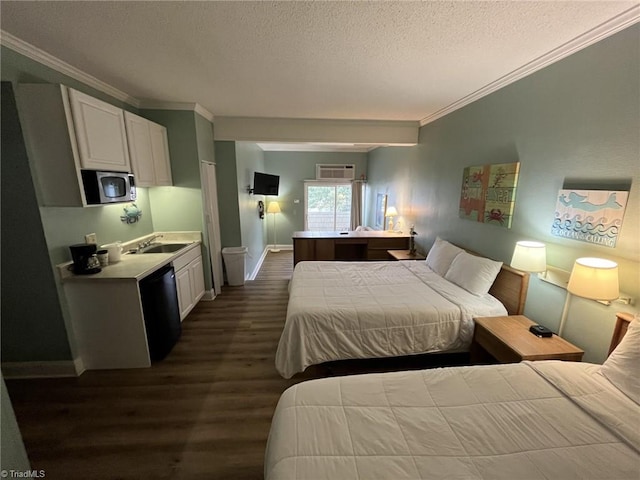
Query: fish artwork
x=593 y=216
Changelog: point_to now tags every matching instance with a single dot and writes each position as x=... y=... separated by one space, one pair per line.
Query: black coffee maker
x=84 y=258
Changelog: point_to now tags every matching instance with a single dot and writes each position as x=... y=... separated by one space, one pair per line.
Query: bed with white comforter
x=544 y=420
x=346 y=310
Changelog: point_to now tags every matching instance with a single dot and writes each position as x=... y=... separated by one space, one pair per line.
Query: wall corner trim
x=596 y=34
x=34 y=53
x=159 y=105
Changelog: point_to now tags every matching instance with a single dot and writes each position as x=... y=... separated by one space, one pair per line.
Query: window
x=327 y=206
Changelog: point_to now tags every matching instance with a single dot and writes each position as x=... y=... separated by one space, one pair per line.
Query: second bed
x=347 y=310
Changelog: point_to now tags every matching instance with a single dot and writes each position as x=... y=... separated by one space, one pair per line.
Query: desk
x=371 y=245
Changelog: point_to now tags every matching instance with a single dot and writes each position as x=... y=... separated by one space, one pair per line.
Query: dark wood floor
x=203 y=412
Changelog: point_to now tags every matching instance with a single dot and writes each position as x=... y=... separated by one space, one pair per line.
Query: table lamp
x=274 y=207
x=391 y=212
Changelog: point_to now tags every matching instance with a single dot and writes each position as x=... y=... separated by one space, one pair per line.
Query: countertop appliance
x=108 y=187
x=85 y=260
x=161 y=312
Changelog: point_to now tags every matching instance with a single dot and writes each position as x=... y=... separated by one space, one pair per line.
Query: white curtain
x=356 y=203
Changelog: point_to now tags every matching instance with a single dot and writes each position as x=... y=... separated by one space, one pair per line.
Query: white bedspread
x=344 y=310
x=545 y=420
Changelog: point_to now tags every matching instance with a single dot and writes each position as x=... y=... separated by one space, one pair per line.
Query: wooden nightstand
x=508 y=340
x=405 y=255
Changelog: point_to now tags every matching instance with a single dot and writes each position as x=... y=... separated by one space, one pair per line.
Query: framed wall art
x=381 y=207
x=592 y=216
x=489 y=193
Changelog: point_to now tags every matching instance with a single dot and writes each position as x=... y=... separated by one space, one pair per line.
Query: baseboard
x=63 y=368
x=208 y=295
x=256 y=270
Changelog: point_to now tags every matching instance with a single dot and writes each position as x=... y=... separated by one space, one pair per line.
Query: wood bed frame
x=623 y=320
x=510 y=287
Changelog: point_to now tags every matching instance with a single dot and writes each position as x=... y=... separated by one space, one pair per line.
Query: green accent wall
x=227 y=182
x=180 y=207
x=250 y=159
x=204 y=137
x=294 y=168
x=32 y=320
x=576 y=121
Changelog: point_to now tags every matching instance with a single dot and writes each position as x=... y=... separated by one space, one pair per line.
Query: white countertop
x=139 y=265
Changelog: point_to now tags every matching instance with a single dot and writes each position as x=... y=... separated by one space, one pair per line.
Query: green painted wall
x=180 y=208
x=577 y=119
x=294 y=168
x=388 y=168
x=227 y=180
x=250 y=159
x=204 y=137
x=30 y=329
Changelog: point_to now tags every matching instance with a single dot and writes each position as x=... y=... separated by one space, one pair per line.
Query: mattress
x=346 y=310
x=543 y=420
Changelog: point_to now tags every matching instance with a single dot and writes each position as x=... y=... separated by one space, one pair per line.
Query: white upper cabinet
x=149 y=150
x=100 y=133
x=140 y=149
x=160 y=149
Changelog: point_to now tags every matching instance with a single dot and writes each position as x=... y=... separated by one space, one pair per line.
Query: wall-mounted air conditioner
x=335 y=172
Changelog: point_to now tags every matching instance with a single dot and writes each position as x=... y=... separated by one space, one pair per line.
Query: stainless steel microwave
x=103 y=188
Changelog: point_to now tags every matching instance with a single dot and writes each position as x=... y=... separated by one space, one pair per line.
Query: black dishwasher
x=161 y=313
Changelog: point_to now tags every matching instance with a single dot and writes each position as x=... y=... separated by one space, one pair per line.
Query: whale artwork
x=593 y=216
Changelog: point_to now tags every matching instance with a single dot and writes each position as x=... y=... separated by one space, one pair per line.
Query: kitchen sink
x=164 y=248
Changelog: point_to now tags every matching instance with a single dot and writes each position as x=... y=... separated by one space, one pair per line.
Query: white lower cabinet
x=189 y=281
x=107 y=316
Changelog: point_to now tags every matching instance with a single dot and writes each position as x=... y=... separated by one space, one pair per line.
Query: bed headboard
x=623 y=320
x=510 y=287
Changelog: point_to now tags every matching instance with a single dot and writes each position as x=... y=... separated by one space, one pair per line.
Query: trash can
x=234 y=263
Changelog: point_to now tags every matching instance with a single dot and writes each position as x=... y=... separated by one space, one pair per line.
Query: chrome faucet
x=148 y=242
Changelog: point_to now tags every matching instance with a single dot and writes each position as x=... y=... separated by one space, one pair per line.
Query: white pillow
x=474 y=274
x=441 y=255
x=621 y=368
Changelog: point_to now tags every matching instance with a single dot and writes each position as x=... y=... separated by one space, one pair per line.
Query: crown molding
x=40 y=56
x=602 y=31
x=159 y=105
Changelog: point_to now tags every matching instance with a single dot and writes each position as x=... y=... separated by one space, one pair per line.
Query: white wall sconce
x=529 y=257
x=592 y=278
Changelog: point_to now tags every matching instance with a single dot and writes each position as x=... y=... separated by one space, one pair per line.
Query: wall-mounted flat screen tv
x=265 y=184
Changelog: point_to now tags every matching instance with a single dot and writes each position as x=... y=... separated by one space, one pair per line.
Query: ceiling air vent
x=335 y=172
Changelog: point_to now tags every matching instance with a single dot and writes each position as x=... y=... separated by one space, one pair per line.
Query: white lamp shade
x=391 y=212
x=529 y=256
x=274 y=207
x=594 y=278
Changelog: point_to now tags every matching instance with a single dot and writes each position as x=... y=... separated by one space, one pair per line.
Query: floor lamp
x=274 y=207
x=592 y=278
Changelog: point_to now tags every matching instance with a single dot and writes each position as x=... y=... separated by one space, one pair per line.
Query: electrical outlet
x=90 y=238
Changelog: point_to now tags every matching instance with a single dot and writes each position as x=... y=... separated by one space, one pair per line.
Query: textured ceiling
x=326 y=60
